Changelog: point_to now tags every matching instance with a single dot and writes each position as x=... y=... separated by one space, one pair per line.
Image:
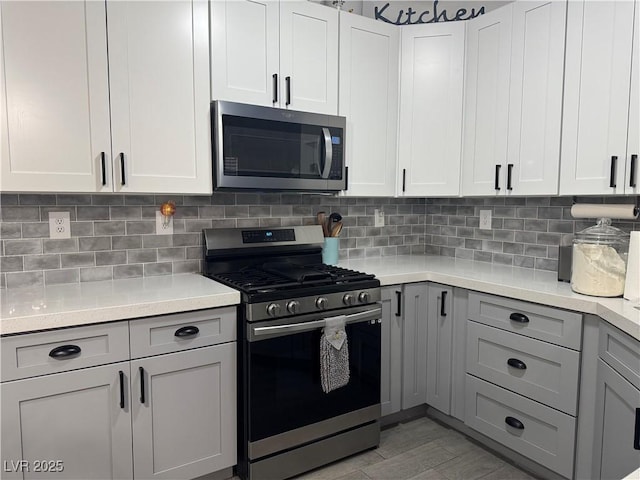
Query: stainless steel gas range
x=287 y=424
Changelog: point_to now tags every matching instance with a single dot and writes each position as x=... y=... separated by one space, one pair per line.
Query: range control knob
x=364 y=297
x=293 y=306
x=273 y=309
x=348 y=299
x=321 y=303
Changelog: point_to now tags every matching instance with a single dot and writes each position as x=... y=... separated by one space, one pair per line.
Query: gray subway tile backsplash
x=113 y=236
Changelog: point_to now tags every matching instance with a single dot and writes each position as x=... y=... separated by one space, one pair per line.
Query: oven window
x=285 y=390
x=268 y=148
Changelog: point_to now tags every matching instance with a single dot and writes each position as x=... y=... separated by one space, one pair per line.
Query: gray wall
x=113 y=236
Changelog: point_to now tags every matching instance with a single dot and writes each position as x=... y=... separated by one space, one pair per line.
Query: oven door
x=286 y=403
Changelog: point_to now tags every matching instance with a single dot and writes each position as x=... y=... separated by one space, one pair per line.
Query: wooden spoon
x=321 y=219
x=336 y=229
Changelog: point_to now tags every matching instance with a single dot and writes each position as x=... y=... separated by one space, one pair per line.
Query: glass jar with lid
x=599 y=263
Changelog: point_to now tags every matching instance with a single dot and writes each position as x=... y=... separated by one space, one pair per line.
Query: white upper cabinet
x=596 y=98
x=431 y=92
x=60 y=86
x=159 y=72
x=632 y=178
x=54 y=112
x=513 y=106
x=282 y=54
x=369 y=52
x=486 y=115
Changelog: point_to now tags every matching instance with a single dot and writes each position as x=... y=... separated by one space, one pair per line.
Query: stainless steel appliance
x=286 y=423
x=268 y=148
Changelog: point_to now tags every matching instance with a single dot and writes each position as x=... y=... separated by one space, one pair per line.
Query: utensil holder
x=330 y=250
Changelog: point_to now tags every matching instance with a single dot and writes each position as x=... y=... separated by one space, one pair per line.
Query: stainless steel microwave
x=264 y=148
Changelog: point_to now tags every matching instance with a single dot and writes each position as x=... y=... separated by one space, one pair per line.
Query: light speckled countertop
x=520 y=283
x=29 y=309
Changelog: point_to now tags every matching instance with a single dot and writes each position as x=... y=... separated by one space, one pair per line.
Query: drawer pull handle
x=515 y=363
x=121 y=374
x=187 y=331
x=142 y=398
x=514 y=422
x=519 y=317
x=65 y=351
x=636 y=433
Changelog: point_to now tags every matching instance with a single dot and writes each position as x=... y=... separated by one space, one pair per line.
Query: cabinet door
x=72 y=417
x=369 y=71
x=159 y=73
x=309 y=57
x=439 y=347
x=617 y=423
x=391 y=333
x=535 y=103
x=54 y=112
x=431 y=87
x=632 y=178
x=414 y=346
x=487 y=103
x=596 y=97
x=184 y=413
x=244 y=51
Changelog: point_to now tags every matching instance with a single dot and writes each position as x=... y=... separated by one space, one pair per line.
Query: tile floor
x=421 y=450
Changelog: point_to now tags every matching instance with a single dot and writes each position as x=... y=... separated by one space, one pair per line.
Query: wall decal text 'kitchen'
x=413 y=17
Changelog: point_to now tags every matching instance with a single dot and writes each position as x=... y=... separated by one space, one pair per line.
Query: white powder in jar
x=597 y=270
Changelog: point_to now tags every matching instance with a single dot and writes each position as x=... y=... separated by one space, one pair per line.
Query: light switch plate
x=59 y=225
x=163 y=226
x=485 y=219
x=378 y=218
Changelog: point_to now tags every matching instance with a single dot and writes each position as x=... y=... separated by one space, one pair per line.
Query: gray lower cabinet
x=414 y=345
x=439 y=346
x=391 y=351
x=184 y=412
x=71 y=425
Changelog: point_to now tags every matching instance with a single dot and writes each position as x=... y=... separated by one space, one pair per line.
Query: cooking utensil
x=321 y=219
x=336 y=229
x=333 y=218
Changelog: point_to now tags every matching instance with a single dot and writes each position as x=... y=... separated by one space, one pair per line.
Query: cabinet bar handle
x=636 y=432
x=404 y=179
x=612 y=178
x=509 y=173
x=515 y=363
x=187 y=331
x=288 y=83
x=514 y=422
x=632 y=171
x=123 y=180
x=496 y=182
x=399 y=307
x=519 y=317
x=442 y=302
x=346 y=178
x=65 y=351
x=142 y=397
x=103 y=164
x=275 y=87
x=121 y=373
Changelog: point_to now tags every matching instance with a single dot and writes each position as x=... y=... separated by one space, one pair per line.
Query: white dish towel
x=334 y=354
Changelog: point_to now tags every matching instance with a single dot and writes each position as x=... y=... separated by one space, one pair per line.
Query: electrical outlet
x=378 y=218
x=485 y=219
x=164 y=226
x=59 y=225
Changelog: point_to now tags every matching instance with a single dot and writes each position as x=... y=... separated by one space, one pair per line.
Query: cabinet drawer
x=181 y=331
x=548 y=373
x=41 y=353
x=621 y=352
x=537 y=321
x=547 y=436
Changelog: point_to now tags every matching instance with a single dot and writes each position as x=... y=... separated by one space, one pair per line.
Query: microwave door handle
x=372 y=314
x=328 y=153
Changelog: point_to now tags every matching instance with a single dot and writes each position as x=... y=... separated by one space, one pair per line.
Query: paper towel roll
x=594 y=210
x=632 y=280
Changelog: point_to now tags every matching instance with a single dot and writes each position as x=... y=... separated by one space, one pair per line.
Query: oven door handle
x=372 y=314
